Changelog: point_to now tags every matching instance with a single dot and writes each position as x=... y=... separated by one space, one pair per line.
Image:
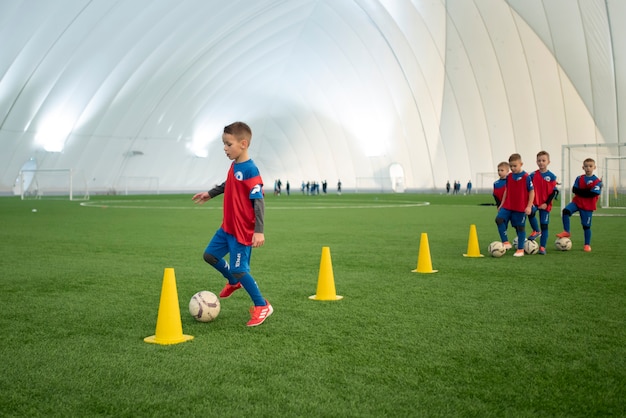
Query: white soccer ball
x=204 y=306
x=531 y=247
x=563 y=244
x=496 y=249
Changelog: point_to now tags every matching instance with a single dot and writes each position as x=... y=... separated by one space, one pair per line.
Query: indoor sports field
x=527 y=337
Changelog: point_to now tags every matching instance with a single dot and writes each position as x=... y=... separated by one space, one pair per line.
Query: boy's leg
x=502 y=220
x=518 y=220
x=544 y=221
x=567 y=213
x=534 y=224
x=585 y=220
x=240 y=259
x=214 y=255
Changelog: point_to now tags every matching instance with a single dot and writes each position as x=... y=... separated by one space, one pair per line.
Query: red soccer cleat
x=519 y=253
x=534 y=235
x=563 y=234
x=587 y=248
x=229 y=289
x=507 y=245
x=259 y=314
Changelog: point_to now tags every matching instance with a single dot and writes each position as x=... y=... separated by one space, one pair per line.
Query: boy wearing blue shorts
x=242 y=222
x=544 y=182
x=517 y=202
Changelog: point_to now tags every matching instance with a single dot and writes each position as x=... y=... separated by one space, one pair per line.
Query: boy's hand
x=258 y=239
x=200 y=198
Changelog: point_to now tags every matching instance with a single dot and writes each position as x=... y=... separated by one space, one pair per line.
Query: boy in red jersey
x=517 y=202
x=242 y=222
x=587 y=189
x=544 y=182
x=499 y=186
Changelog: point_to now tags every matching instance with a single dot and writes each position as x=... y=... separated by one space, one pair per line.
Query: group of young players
x=519 y=195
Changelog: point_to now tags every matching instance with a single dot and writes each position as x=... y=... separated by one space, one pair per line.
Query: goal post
x=62 y=183
x=610 y=161
x=614 y=190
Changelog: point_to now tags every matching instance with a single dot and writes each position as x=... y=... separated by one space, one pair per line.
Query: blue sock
x=587 y=236
x=521 y=237
x=502 y=231
x=544 y=236
x=566 y=223
x=248 y=283
x=223 y=267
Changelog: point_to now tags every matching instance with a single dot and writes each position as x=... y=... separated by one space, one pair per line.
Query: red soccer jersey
x=518 y=186
x=243 y=184
x=591 y=183
x=544 y=184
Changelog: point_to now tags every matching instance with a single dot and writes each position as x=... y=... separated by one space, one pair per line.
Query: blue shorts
x=516 y=218
x=585 y=215
x=223 y=243
x=544 y=215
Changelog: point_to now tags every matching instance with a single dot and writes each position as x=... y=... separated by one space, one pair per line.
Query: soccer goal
x=64 y=183
x=485 y=180
x=610 y=166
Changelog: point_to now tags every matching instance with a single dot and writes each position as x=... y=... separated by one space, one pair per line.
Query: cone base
x=315 y=297
x=418 y=271
x=477 y=255
x=154 y=340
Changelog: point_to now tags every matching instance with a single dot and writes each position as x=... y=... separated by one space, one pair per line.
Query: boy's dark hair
x=503 y=163
x=515 y=157
x=589 y=160
x=239 y=130
x=540 y=153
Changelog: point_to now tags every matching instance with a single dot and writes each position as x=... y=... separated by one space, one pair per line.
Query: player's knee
x=210 y=258
x=499 y=221
x=566 y=212
x=544 y=227
x=520 y=228
x=238 y=276
x=585 y=227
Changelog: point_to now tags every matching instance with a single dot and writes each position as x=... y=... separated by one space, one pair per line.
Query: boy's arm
x=258 y=238
x=583 y=192
x=205 y=196
x=529 y=205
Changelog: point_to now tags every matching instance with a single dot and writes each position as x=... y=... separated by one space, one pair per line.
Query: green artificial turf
x=482 y=337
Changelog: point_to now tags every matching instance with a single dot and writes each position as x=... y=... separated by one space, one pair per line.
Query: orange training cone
x=326 y=279
x=424 y=264
x=169 y=328
x=473 y=250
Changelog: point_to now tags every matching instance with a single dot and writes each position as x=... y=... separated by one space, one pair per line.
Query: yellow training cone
x=326 y=279
x=169 y=328
x=473 y=250
x=424 y=264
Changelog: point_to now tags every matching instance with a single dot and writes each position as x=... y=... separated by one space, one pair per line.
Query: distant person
x=324 y=186
x=448 y=187
x=544 y=182
x=242 y=222
x=287 y=187
x=339 y=187
x=517 y=203
x=587 y=188
x=469 y=187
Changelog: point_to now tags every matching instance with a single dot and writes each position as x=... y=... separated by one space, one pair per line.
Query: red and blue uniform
x=545 y=192
x=518 y=188
x=587 y=190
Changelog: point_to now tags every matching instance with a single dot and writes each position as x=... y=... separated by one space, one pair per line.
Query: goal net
x=54 y=184
x=610 y=166
x=485 y=180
